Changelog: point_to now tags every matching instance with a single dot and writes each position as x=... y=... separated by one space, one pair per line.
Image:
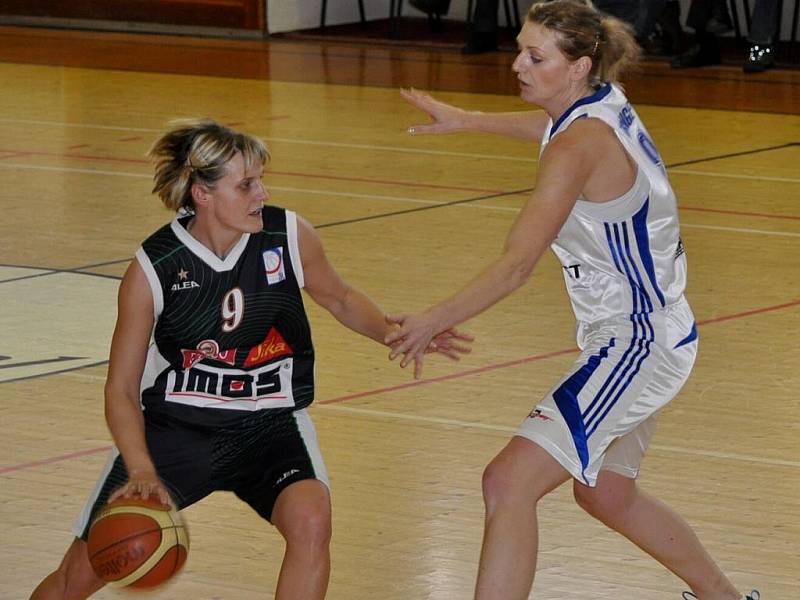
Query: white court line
x=736 y=176
x=373 y=197
x=373 y=147
x=383 y=414
x=370 y=147
x=485 y=426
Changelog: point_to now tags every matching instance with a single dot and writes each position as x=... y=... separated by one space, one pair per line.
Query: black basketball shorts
x=256 y=460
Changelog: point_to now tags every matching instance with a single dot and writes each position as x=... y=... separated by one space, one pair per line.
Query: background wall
x=290 y=15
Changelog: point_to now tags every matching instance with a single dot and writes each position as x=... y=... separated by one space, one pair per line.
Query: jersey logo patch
x=184 y=283
x=207 y=349
x=273 y=265
x=273 y=346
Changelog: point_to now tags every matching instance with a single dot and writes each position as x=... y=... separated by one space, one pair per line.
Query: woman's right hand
x=143 y=485
x=446 y=117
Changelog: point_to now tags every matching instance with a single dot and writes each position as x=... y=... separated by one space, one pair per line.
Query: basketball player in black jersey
x=226 y=382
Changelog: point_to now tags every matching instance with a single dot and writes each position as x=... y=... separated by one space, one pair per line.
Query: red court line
x=11 y=154
x=54 y=459
x=459 y=375
x=142 y=161
x=390 y=389
x=748 y=313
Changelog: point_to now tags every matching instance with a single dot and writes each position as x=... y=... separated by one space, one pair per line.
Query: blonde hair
x=196 y=151
x=584 y=31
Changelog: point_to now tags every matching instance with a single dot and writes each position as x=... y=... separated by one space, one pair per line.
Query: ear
x=581 y=68
x=200 y=194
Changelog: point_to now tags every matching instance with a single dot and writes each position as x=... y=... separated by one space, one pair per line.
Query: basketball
x=137 y=543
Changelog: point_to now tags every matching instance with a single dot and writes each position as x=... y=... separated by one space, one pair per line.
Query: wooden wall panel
x=227 y=14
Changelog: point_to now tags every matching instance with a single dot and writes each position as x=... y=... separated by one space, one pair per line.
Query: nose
x=516 y=66
x=262 y=191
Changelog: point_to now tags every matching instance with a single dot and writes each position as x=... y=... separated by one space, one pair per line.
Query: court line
x=404 y=149
x=505 y=429
x=431 y=203
x=336 y=402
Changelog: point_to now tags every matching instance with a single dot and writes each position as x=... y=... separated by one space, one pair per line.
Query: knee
x=603 y=503
x=308 y=526
x=501 y=486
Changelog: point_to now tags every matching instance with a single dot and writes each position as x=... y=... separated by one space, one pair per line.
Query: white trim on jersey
x=294 y=247
x=152 y=280
x=306 y=427
x=206 y=255
x=82 y=521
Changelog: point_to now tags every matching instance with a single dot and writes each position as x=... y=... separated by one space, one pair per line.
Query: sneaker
x=754 y=595
x=760 y=58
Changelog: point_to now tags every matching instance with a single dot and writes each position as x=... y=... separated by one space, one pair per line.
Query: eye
x=534 y=59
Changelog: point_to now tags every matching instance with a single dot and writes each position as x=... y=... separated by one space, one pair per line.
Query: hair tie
x=596 y=44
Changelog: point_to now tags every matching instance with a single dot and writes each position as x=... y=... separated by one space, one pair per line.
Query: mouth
x=256 y=212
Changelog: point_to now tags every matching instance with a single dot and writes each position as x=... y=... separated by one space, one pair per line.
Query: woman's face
x=542 y=69
x=239 y=196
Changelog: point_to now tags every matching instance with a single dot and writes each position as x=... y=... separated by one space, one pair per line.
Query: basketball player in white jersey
x=218 y=400
x=603 y=203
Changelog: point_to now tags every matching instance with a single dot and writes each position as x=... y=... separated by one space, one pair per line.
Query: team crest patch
x=273 y=265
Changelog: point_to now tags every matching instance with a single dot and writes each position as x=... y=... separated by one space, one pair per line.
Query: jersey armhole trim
x=294 y=247
x=152 y=280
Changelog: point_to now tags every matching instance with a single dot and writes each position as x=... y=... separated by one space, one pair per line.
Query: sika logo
x=273 y=346
x=537 y=413
x=184 y=283
x=207 y=349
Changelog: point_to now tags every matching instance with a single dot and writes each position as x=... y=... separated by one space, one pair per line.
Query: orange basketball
x=137 y=543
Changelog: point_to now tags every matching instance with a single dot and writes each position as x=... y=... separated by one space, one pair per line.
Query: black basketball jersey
x=231 y=335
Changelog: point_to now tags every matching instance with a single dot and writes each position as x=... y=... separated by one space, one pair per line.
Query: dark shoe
x=754 y=595
x=697 y=56
x=760 y=58
x=479 y=42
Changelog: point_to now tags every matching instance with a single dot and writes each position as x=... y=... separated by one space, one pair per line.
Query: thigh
x=528 y=467
x=182 y=459
x=280 y=452
x=624 y=455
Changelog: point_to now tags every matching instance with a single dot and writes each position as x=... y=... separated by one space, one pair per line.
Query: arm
x=566 y=166
x=527 y=125
x=126 y=365
x=351 y=307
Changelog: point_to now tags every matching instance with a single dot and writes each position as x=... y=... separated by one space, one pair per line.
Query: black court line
x=96 y=364
x=733 y=155
x=421 y=208
x=80 y=270
x=38 y=362
x=52 y=271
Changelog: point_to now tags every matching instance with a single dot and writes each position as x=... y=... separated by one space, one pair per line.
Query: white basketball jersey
x=625 y=256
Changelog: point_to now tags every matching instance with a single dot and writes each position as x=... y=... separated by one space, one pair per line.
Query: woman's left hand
x=417 y=335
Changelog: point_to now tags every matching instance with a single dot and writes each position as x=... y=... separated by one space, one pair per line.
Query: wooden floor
x=406 y=219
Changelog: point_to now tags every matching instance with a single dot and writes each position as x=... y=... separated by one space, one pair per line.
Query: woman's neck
x=565 y=101
x=219 y=240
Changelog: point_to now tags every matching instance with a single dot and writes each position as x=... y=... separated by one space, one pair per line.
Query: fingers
x=143 y=490
x=418 y=363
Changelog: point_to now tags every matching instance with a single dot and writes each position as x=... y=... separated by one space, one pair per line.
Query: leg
x=617 y=502
x=302 y=514
x=513 y=483
x=74 y=578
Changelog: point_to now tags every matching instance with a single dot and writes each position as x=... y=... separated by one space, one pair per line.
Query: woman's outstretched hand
x=416 y=335
x=446 y=117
